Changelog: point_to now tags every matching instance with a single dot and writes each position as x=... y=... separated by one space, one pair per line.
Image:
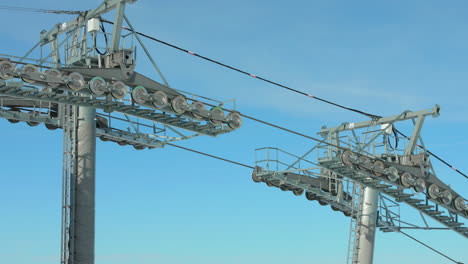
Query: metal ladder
x=69 y=118
x=355 y=225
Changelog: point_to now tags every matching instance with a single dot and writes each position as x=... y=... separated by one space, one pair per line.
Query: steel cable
x=211 y=156
x=249 y=117
x=431 y=248
x=39 y=10
x=373 y=116
x=237 y=70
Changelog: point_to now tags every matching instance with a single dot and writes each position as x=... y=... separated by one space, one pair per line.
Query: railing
x=276 y=163
x=275 y=159
x=371 y=142
x=388 y=213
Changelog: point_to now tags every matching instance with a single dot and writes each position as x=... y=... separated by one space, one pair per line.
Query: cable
x=39 y=10
x=387 y=139
x=292 y=131
x=373 y=116
x=211 y=156
x=283 y=86
x=431 y=248
x=394 y=130
x=283 y=128
x=446 y=163
x=197 y=55
x=259 y=121
x=238 y=70
x=105 y=38
x=247 y=166
x=247 y=73
x=339 y=147
x=435 y=156
x=249 y=117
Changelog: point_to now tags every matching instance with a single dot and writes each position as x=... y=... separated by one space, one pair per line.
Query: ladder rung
x=391 y=191
x=434 y=212
x=382 y=186
x=424 y=206
x=455 y=224
x=404 y=196
x=443 y=218
x=414 y=201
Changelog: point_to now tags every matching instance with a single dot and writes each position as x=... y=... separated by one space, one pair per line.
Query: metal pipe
x=84 y=217
x=367 y=226
x=435 y=111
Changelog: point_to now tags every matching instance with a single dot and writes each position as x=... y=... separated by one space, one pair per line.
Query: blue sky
x=169 y=206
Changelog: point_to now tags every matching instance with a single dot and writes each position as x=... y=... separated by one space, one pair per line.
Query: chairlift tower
x=361 y=173
x=87 y=85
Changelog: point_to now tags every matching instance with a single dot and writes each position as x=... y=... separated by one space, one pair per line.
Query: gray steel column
x=84 y=204
x=368 y=224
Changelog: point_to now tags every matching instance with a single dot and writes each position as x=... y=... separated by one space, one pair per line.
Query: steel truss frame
x=340 y=156
x=64 y=88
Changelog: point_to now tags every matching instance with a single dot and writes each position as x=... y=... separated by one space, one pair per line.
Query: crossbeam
x=435 y=112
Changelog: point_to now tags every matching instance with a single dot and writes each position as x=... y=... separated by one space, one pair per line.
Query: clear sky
x=169 y=206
